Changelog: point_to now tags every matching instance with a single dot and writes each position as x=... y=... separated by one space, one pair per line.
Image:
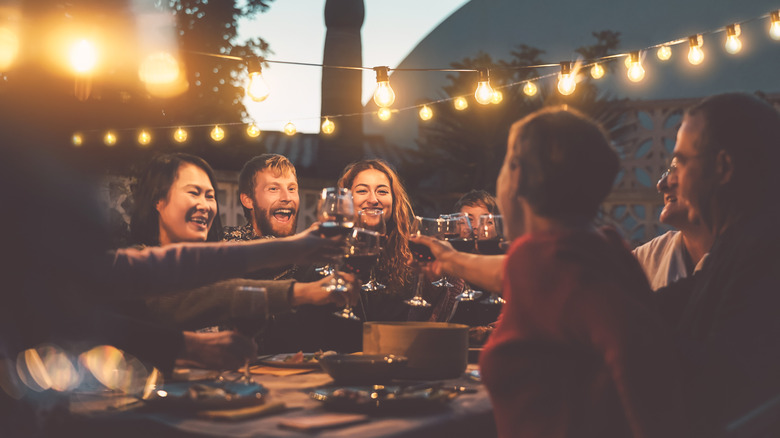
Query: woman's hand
x=441 y=250
x=314 y=292
x=310 y=247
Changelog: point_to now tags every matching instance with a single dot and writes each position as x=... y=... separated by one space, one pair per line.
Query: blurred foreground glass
x=373 y=220
x=490 y=241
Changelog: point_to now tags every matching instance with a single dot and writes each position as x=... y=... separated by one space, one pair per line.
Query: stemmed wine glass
x=490 y=240
x=422 y=226
x=374 y=220
x=362 y=254
x=461 y=236
x=336 y=214
x=447 y=229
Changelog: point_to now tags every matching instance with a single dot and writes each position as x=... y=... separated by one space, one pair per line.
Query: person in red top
x=577 y=350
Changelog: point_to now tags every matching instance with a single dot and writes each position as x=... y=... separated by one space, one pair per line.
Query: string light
x=484 y=92
x=144 y=138
x=664 y=53
x=496 y=97
x=83 y=57
x=597 y=71
x=328 y=127
x=384 y=96
x=530 y=89
x=733 y=44
x=253 y=131
x=290 y=128
x=566 y=83
x=695 y=53
x=635 y=73
x=384 y=114
x=257 y=89
x=217 y=134
x=774 y=28
x=180 y=135
x=460 y=103
x=77 y=139
x=426 y=113
x=110 y=138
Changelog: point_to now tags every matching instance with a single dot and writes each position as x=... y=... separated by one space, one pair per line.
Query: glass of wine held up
x=360 y=259
x=421 y=254
x=490 y=241
x=460 y=234
x=336 y=215
x=373 y=220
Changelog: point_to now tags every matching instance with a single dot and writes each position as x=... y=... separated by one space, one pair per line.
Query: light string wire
x=581 y=65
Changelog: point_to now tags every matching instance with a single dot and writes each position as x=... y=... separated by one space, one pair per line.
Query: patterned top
x=247 y=232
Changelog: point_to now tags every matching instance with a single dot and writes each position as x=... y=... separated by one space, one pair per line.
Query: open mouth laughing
x=201 y=221
x=283 y=214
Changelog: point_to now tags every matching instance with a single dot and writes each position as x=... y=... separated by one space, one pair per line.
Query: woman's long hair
x=393 y=267
x=153 y=185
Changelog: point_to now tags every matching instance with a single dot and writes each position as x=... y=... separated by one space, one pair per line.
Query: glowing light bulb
x=566 y=83
x=77 y=140
x=290 y=128
x=384 y=96
x=257 y=89
x=217 y=134
x=83 y=57
x=664 y=53
x=144 y=138
x=733 y=44
x=460 y=103
x=253 y=131
x=497 y=97
x=426 y=113
x=484 y=91
x=695 y=53
x=110 y=138
x=180 y=135
x=159 y=68
x=530 y=89
x=597 y=71
x=384 y=114
x=9 y=47
x=774 y=28
x=328 y=127
x=635 y=73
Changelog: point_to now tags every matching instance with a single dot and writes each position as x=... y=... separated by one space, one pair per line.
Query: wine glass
x=447 y=229
x=373 y=219
x=490 y=240
x=336 y=215
x=422 y=226
x=461 y=236
x=362 y=254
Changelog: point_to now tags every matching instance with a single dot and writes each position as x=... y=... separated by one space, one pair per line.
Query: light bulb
x=384 y=96
x=733 y=44
x=597 y=71
x=384 y=114
x=426 y=113
x=484 y=91
x=290 y=128
x=695 y=53
x=9 y=47
x=635 y=73
x=77 y=139
x=328 y=127
x=530 y=88
x=497 y=97
x=774 y=28
x=180 y=135
x=257 y=89
x=110 y=138
x=144 y=138
x=83 y=57
x=159 y=68
x=461 y=103
x=566 y=83
x=628 y=61
x=664 y=53
x=217 y=134
x=253 y=131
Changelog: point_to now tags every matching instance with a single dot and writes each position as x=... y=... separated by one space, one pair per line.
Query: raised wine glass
x=373 y=219
x=336 y=214
x=490 y=241
x=447 y=229
x=252 y=325
x=362 y=254
x=422 y=226
x=461 y=236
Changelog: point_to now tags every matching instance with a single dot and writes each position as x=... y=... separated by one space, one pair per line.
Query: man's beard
x=263 y=220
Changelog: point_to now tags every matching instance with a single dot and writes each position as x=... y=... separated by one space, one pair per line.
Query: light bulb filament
x=384 y=96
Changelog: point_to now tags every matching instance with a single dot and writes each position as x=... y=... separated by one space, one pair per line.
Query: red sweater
x=577 y=351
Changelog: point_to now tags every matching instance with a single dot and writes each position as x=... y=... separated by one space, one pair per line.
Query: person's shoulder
x=232 y=234
x=654 y=244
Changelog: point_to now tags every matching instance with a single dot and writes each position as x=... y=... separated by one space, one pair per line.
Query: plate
x=362 y=369
x=196 y=396
x=285 y=360
x=389 y=399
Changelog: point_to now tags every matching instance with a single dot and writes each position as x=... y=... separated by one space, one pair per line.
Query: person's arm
x=484 y=271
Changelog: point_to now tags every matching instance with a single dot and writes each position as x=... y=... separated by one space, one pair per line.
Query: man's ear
x=724 y=167
x=246 y=201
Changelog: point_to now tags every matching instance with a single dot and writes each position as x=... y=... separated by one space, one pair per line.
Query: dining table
x=290 y=396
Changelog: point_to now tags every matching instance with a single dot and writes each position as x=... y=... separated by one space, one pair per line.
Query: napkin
x=245 y=412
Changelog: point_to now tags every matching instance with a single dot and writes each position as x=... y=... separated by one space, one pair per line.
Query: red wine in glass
x=462 y=245
x=421 y=253
x=489 y=246
x=361 y=265
x=336 y=228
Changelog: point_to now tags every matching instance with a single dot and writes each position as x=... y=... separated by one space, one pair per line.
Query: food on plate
x=301 y=357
